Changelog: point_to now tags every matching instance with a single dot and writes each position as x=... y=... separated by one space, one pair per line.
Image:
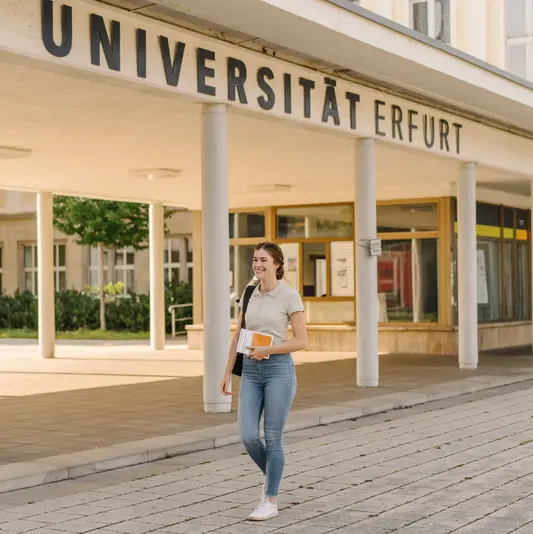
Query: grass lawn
x=77 y=334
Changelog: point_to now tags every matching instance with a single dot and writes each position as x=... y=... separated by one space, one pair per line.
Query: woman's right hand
x=225 y=384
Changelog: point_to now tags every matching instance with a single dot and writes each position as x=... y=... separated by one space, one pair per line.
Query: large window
x=503 y=263
x=247 y=224
x=433 y=18
x=316 y=221
x=125 y=269
x=519 y=22
x=94 y=264
x=408 y=266
x=172 y=261
x=30 y=268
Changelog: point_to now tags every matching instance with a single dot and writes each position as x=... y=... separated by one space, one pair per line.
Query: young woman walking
x=268 y=376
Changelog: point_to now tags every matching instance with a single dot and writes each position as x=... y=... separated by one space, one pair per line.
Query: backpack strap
x=247 y=294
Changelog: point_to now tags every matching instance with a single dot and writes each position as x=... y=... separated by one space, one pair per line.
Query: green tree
x=103 y=224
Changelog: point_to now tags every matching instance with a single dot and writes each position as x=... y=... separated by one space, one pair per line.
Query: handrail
x=172 y=309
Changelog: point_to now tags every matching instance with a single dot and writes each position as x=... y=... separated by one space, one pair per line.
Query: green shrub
x=75 y=310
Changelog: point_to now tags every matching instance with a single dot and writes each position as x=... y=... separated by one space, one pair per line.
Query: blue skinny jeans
x=267 y=386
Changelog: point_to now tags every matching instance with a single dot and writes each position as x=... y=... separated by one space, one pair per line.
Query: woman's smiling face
x=264 y=266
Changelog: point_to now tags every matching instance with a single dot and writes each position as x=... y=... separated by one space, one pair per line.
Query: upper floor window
x=433 y=18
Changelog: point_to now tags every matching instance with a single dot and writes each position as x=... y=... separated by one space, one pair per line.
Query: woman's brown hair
x=277 y=255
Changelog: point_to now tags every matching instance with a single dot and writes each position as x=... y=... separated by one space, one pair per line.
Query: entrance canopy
x=107 y=104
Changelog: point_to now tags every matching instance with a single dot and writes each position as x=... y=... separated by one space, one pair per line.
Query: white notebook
x=250 y=338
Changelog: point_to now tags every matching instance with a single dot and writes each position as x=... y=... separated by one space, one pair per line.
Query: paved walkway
x=458 y=467
x=95 y=396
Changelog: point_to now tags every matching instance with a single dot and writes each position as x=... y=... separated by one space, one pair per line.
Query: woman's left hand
x=259 y=353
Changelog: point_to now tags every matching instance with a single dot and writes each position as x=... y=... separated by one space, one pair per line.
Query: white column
x=157 y=279
x=215 y=231
x=496 y=30
x=467 y=274
x=366 y=265
x=45 y=274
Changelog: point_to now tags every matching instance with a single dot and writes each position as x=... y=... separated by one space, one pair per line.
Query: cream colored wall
x=479 y=25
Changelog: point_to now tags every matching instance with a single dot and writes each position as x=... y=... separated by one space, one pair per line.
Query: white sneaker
x=264 y=493
x=264 y=510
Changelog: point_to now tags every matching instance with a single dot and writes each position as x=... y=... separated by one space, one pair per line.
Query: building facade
x=389 y=156
x=76 y=266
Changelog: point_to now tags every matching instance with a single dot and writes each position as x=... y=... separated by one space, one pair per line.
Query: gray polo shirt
x=270 y=313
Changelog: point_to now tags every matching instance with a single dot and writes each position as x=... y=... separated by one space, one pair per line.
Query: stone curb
x=23 y=475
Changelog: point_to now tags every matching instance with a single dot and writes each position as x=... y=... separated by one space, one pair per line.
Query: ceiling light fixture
x=263 y=188
x=10 y=152
x=155 y=174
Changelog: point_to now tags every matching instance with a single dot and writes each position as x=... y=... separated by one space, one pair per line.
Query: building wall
x=477 y=27
x=18 y=227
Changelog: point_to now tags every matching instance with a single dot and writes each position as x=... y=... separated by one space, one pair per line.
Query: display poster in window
x=342 y=269
x=292 y=268
x=482 y=287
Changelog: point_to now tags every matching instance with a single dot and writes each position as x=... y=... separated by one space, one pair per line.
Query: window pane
x=508 y=285
x=342 y=269
x=292 y=264
x=523 y=281
x=442 y=21
x=407 y=281
x=28 y=281
x=522 y=225
x=28 y=257
x=189 y=249
x=165 y=256
x=516 y=18
x=247 y=225
x=130 y=280
x=93 y=277
x=62 y=253
x=175 y=276
x=175 y=256
x=241 y=273
x=314 y=270
x=517 y=59
x=189 y=272
x=93 y=256
x=130 y=258
x=420 y=17
x=62 y=279
x=119 y=257
x=317 y=221
x=1 y=257
x=407 y=218
x=488 y=280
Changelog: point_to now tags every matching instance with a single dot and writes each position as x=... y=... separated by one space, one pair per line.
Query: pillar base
x=157 y=345
x=367 y=382
x=468 y=366
x=219 y=407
